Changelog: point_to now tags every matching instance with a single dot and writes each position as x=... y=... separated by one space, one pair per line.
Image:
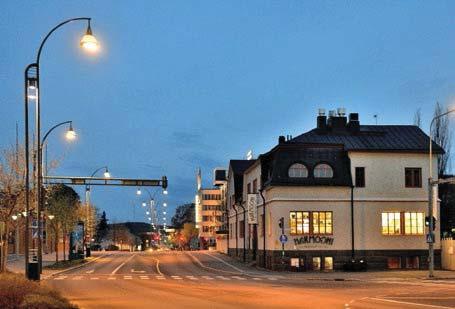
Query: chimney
x=337 y=119
x=281 y=139
x=354 y=123
x=321 y=122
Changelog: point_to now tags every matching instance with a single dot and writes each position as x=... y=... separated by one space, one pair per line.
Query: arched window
x=298 y=170
x=323 y=171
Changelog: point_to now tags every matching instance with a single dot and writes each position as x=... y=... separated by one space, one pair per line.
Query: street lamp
x=32 y=92
x=138 y=191
x=431 y=185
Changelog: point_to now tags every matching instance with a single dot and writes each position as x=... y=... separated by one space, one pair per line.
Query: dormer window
x=323 y=171
x=298 y=170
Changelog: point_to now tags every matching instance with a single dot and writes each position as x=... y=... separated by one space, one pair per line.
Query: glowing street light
x=165 y=192
x=88 y=41
x=51 y=217
x=70 y=134
x=14 y=217
x=144 y=204
x=138 y=192
x=106 y=173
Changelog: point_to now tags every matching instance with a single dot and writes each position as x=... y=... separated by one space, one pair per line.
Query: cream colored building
x=344 y=191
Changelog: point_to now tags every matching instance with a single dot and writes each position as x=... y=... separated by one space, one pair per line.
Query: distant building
x=337 y=192
x=210 y=210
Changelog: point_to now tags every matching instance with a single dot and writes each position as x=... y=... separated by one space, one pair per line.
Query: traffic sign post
x=430 y=238
x=283 y=239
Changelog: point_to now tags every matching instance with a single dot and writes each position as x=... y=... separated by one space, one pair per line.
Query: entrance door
x=255 y=241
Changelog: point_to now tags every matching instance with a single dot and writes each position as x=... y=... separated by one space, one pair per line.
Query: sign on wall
x=252 y=209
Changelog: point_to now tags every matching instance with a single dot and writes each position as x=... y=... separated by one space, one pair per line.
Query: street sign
x=430 y=238
x=283 y=238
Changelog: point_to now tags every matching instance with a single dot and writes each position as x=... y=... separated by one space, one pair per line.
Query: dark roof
x=239 y=167
x=406 y=138
x=220 y=175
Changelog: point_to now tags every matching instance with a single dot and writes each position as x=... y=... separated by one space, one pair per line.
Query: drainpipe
x=244 y=232
x=263 y=224
x=236 y=232
x=352 y=223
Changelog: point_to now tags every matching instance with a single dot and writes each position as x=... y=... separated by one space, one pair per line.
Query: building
x=339 y=192
x=210 y=208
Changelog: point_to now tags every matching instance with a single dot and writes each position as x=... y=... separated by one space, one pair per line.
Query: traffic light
x=164 y=182
x=281 y=223
x=427 y=222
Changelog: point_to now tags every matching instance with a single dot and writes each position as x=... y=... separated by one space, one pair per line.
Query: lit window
x=391 y=223
x=318 y=222
x=298 y=170
x=322 y=222
x=414 y=223
x=323 y=171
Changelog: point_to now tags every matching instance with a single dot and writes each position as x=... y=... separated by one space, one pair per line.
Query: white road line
x=144 y=277
x=111 y=278
x=257 y=279
x=77 y=278
x=238 y=278
x=207 y=277
x=121 y=265
x=90 y=271
x=224 y=262
x=160 y=277
x=127 y=277
x=192 y=278
x=176 y=277
x=272 y=278
x=222 y=278
x=94 y=278
x=60 y=278
x=409 y=303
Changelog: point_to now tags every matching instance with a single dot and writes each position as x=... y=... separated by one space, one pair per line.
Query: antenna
x=376 y=118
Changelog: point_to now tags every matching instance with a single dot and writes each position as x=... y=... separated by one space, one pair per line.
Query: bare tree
x=12 y=177
x=418 y=118
x=443 y=137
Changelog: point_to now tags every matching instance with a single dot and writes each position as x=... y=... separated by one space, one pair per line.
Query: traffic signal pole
x=430 y=229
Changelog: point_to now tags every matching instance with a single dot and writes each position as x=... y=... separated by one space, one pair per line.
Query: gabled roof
x=240 y=166
x=395 y=138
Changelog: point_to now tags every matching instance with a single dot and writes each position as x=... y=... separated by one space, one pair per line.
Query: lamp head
x=71 y=134
x=144 y=204
x=14 y=217
x=88 y=41
x=107 y=174
x=165 y=192
x=138 y=192
x=51 y=217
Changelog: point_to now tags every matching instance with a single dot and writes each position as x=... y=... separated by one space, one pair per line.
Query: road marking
x=207 y=277
x=272 y=278
x=137 y=271
x=127 y=277
x=409 y=303
x=176 y=277
x=77 y=278
x=144 y=277
x=90 y=271
x=223 y=261
x=160 y=277
x=257 y=279
x=238 y=278
x=111 y=278
x=121 y=265
x=222 y=278
x=60 y=278
x=192 y=278
x=94 y=278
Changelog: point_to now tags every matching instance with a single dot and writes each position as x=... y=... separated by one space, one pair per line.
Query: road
x=174 y=279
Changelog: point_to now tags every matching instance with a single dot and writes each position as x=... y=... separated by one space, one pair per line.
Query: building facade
x=339 y=192
x=210 y=212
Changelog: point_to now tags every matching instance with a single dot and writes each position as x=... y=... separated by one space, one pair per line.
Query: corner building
x=344 y=191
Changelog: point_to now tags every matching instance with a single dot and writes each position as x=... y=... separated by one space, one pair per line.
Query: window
x=323 y=171
x=404 y=223
x=262 y=225
x=394 y=262
x=412 y=262
x=413 y=177
x=360 y=177
x=242 y=229
x=298 y=170
x=255 y=186
x=316 y=222
x=248 y=188
x=414 y=223
x=316 y=263
x=391 y=224
x=328 y=263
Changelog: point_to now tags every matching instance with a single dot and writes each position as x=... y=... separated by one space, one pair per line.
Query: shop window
x=295 y=262
x=315 y=222
x=394 y=262
x=316 y=263
x=414 y=223
x=360 y=177
x=391 y=223
x=328 y=263
x=298 y=170
x=323 y=171
x=412 y=262
x=413 y=177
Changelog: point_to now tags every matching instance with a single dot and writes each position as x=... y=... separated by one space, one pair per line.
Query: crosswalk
x=163 y=277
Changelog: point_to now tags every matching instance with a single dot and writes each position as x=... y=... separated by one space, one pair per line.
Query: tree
x=443 y=137
x=183 y=214
x=102 y=228
x=12 y=184
x=418 y=118
x=63 y=203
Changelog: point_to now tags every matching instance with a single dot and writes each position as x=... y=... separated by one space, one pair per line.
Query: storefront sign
x=252 y=209
x=323 y=240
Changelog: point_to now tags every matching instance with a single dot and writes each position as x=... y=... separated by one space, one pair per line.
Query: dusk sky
x=185 y=84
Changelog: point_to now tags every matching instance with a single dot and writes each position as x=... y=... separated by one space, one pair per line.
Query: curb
x=74 y=267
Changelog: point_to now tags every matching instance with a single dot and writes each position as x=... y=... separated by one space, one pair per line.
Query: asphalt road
x=171 y=279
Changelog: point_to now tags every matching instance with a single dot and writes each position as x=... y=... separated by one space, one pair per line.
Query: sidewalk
x=391 y=275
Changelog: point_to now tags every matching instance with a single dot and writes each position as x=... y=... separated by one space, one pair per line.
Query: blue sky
x=186 y=84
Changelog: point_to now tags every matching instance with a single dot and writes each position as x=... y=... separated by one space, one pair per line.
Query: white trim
x=281 y=199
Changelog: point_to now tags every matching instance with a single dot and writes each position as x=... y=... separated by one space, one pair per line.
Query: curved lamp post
x=431 y=184
x=32 y=92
